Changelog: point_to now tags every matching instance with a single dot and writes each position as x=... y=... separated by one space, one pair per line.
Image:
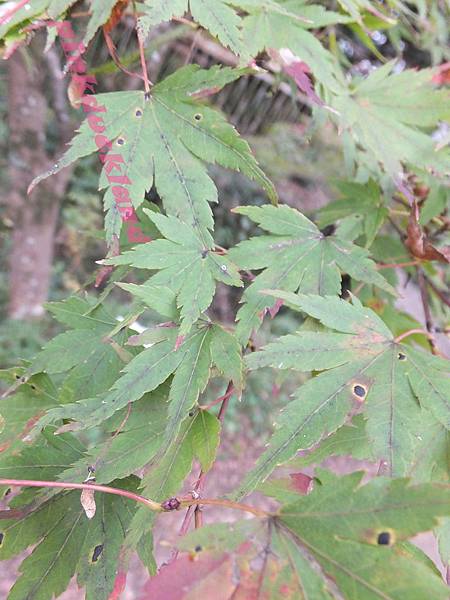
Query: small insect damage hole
x=138 y=113
x=2 y=536
x=401 y=356
x=360 y=391
x=198 y=548
x=204 y=253
x=328 y=230
x=96 y=554
x=198 y=116
x=191 y=413
x=384 y=538
x=120 y=141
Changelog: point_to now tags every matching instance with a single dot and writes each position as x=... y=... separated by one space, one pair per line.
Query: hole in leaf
x=328 y=230
x=33 y=387
x=191 y=413
x=97 y=551
x=198 y=117
x=120 y=141
x=384 y=538
x=401 y=356
x=17 y=376
x=359 y=391
x=198 y=548
x=1 y=538
x=204 y=253
x=138 y=112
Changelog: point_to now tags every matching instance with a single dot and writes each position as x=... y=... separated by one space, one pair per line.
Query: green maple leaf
x=20 y=410
x=68 y=543
x=345 y=526
x=163 y=139
x=199 y=439
x=185 y=265
x=272 y=24
x=396 y=386
x=54 y=9
x=217 y=16
x=190 y=364
x=141 y=433
x=391 y=125
x=343 y=540
x=91 y=361
x=357 y=199
x=295 y=256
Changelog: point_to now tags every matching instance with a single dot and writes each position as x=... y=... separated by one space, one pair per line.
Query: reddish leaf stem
x=426 y=309
x=11 y=12
x=147 y=82
x=151 y=504
x=411 y=263
x=200 y=484
x=406 y=334
x=156 y=506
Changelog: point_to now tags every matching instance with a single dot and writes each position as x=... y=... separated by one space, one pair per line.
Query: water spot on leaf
x=97 y=551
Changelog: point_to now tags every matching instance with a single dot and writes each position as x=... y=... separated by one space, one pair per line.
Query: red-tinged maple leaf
x=418 y=243
x=299 y=71
x=188 y=574
x=442 y=75
x=301 y=483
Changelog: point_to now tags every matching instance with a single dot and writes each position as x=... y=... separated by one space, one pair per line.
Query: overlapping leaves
x=365 y=369
x=65 y=541
x=162 y=140
x=342 y=540
x=217 y=16
x=295 y=256
x=190 y=364
x=393 y=127
x=185 y=265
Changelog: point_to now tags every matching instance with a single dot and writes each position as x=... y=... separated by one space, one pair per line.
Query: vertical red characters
x=113 y=163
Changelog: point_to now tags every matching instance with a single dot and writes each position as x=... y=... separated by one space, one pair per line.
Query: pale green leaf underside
x=296 y=256
x=364 y=368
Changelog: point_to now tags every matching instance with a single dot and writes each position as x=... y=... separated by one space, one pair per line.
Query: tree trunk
x=34 y=217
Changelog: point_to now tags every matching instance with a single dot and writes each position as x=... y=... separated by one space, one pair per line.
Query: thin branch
x=147 y=82
x=151 y=504
x=439 y=293
x=410 y=263
x=200 y=484
x=426 y=309
x=155 y=506
x=406 y=334
x=262 y=514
